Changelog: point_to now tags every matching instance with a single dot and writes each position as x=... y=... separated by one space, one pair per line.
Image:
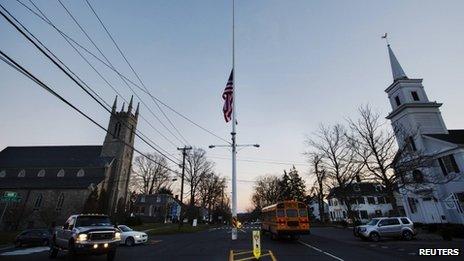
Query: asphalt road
x=215 y=244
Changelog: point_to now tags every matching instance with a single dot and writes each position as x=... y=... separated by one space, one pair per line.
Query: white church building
x=434 y=202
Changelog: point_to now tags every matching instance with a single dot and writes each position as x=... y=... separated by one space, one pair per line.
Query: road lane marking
x=26 y=251
x=320 y=250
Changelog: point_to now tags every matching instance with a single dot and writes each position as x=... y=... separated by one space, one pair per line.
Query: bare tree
x=338 y=160
x=266 y=191
x=197 y=166
x=318 y=188
x=150 y=175
x=376 y=146
x=211 y=189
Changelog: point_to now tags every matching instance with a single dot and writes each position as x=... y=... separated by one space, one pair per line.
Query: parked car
x=88 y=234
x=401 y=227
x=33 y=237
x=130 y=237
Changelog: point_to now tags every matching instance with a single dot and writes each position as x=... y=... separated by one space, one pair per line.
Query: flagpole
x=233 y=133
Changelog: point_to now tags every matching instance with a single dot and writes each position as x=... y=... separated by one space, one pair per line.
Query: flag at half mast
x=228 y=96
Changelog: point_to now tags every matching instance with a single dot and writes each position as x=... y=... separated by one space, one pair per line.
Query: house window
x=344 y=214
x=378 y=213
x=142 y=199
x=364 y=214
x=378 y=188
x=38 y=202
x=22 y=173
x=415 y=96
x=397 y=100
x=371 y=200
x=2 y=174
x=417 y=176
x=412 y=205
x=60 y=173
x=381 y=200
x=41 y=173
x=361 y=200
x=460 y=198
x=80 y=173
x=59 y=203
x=356 y=187
x=448 y=164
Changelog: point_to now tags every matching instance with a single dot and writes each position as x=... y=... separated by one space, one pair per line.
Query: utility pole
x=184 y=154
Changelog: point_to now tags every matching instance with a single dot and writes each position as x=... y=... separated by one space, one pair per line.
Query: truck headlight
x=82 y=237
x=117 y=236
x=363 y=229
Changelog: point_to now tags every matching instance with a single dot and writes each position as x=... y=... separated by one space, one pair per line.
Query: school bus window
x=303 y=213
x=292 y=213
x=280 y=213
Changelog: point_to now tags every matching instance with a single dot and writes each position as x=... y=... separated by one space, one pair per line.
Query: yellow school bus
x=285 y=218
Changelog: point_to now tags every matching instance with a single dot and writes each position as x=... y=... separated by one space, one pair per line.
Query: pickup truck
x=87 y=234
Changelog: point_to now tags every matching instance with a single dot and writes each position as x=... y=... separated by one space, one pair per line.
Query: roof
x=365 y=189
x=152 y=199
x=397 y=70
x=453 y=136
x=53 y=156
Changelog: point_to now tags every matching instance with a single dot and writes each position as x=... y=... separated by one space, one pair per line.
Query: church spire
x=397 y=70
x=129 y=109
x=122 y=109
x=113 y=109
x=137 y=110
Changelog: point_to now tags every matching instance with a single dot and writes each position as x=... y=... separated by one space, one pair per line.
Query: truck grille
x=101 y=236
x=293 y=223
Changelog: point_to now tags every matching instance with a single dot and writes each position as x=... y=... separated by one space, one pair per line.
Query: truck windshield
x=85 y=221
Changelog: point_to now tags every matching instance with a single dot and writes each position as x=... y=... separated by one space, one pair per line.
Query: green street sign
x=10 y=199
x=11 y=194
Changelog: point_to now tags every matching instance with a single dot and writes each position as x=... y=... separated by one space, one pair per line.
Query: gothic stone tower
x=118 y=144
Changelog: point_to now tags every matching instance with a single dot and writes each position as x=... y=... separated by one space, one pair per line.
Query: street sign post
x=256 y=244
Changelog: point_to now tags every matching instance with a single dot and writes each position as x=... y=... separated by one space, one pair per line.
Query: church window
x=132 y=132
x=412 y=205
x=417 y=176
x=38 y=202
x=117 y=130
x=41 y=173
x=415 y=96
x=22 y=173
x=80 y=173
x=397 y=100
x=60 y=173
x=448 y=164
x=2 y=174
x=59 y=203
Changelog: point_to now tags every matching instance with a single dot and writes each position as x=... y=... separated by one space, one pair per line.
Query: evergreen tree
x=297 y=185
x=285 y=191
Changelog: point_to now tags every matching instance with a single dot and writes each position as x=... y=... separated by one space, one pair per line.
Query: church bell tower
x=413 y=114
x=118 y=144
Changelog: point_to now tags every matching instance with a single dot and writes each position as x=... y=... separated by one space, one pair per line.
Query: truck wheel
x=407 y=235
x=374 y=236
x=130 y=241
x=53 y=252
x=111 y=255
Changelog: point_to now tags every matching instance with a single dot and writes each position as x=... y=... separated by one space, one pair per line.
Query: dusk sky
x=299 y=63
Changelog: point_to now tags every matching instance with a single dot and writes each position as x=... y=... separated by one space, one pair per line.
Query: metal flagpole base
x=234 y=233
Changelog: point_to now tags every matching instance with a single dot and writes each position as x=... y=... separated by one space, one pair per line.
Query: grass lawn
x=164 y=229
x=7 y=238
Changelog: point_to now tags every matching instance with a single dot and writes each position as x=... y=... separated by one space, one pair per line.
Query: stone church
x=442 y=200
x=54 y=182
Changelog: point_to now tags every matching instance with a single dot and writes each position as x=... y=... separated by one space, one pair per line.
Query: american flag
x=228 y=96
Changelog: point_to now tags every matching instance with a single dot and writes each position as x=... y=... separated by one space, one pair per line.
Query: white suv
x=401 y=227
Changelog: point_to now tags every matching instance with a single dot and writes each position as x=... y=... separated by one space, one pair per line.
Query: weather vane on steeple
x=385 y=36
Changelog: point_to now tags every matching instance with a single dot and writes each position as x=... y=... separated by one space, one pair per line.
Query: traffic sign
x=256 y=244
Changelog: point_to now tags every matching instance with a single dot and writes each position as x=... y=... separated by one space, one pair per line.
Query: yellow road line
x=272 y=256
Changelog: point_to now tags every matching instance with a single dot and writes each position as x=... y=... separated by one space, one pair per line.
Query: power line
x=262 y=161
x=9 y=61
x=93 y=67
x=123 y=76
x=70 y=76
x=112 y=66
x=133 y=70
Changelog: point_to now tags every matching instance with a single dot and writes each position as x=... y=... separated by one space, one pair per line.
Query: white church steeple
x=413 y=114
x=397 y=70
